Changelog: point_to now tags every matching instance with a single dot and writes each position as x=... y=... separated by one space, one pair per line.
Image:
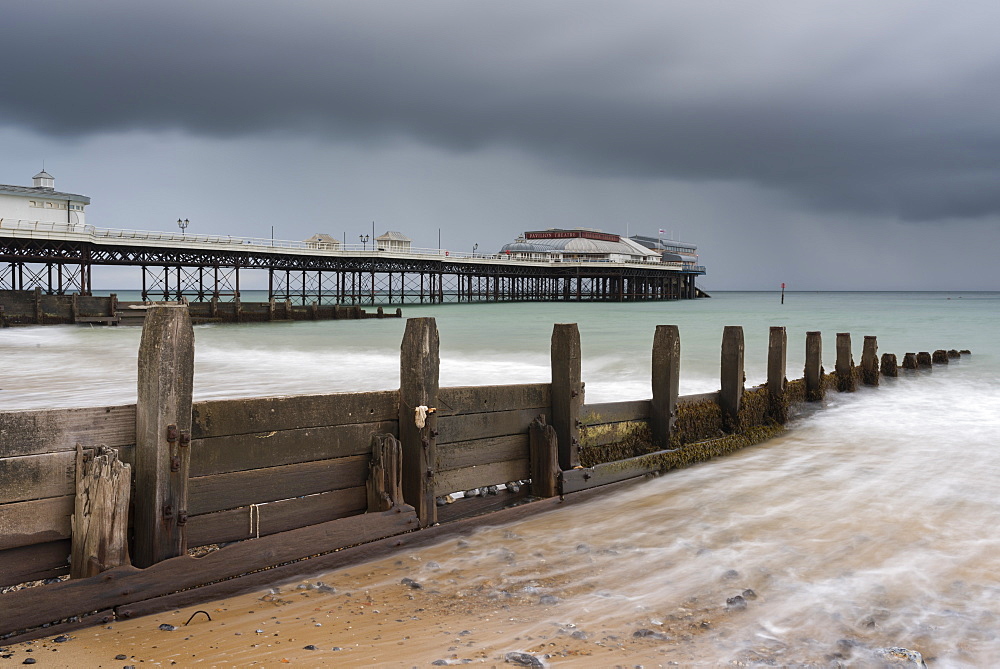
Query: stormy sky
x=828 y=144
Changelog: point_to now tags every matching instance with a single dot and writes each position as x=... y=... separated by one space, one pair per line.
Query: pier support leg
x=666 y=383
x=814 y=367
x=869 y=361
x=163 y=433
x=777 y=381
x=419 y=365
x=567 y=392
x=731 y=394
x=845 y=364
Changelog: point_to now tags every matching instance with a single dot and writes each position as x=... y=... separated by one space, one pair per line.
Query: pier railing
x=265 y=489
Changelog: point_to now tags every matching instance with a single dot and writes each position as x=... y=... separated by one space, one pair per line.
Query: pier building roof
x=578 y=242
x=36 y=191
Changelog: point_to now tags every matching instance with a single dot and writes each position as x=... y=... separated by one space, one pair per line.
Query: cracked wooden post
x=845 y=364
x=732 y=376
x=385 y=482
x=163 y=433
x=666 y=383
x=567 y=392
x=889 y=366
x=814 y=367
x=869 y=361
x=100 y=518
x=543 y=445
x=777 y=381
x=419 y=365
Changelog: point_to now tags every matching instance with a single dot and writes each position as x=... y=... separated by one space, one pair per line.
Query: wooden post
x=39 y=314
x=666 y=383
x=419 y=364
x=113 y=306
x=869 y=361
x=777 y=381
x=100 y=519
x=74 y=307
x=288 y=310
x=270 y=309
x=845 y=364
x=940 y=357
x=923 y=359
x=889 y=367
x=385 y=482
x=814 y=367
x=910 y=361
x=163 y=433
x=544 y=450
x=732 y=376
x=567 y=392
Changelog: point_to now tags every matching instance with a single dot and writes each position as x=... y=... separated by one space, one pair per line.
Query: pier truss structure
x=60 y=259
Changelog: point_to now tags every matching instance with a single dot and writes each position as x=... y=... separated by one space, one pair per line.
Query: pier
x=60 y=259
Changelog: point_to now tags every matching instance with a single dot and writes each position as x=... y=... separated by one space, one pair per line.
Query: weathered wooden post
x=163 y=433
x=910 y=361
x=567 y=392
x=419 y=366
x=923 y=359
x=814 y=367
x=39 y=314
x=732 y=376
x=543 y=445
x=288 y=310
x=940 y=357
x=869 y=361
x=889 y=366
x=777 y=345
x=845 y=364
x=666 y=383
x=100 y=518
x=385 y=482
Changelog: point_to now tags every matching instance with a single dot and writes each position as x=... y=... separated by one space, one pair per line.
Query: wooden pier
x=297 y=485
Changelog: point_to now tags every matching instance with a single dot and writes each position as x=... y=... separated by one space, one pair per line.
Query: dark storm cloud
x=885 y=108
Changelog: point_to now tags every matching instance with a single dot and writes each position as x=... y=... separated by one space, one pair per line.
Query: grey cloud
x=883 y=108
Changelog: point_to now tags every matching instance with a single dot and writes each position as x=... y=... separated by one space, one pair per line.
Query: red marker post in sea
x=782 y=292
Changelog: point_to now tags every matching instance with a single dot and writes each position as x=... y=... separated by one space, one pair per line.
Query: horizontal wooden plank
x=233 y=453
x=574 y=480
x=482 y=475
x=700 y=397
x=34 y=563
x=32 y=607
x=458 y=400
x=88 y=619
x=218 y=418
x=476 y=506
x=603 y=434
x=614 y=412
x=274 y=517
x=481 y=452
x=486 y=425
x=229 y=491
x=54 y=430
x=37 y=476
x=36 y=522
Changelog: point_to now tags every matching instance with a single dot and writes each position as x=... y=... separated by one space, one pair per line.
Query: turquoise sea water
x=869 y=524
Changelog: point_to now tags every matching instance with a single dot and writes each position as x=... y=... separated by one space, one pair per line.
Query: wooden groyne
x=268 y=489
x=33 y=307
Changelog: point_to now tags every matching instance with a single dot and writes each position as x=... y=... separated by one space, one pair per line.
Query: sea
x=870 y=523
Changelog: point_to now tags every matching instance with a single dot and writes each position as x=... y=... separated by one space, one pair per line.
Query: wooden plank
x=35 y=522
x=419 y=368
x=486 y=425
x=24 y=609
x=34 y=563
x=78 y=622
x=700 y=397
x=602 y=435
x=614 y=412
x=482 y=475
x=235 y=489
x=234 y=453
x=37 y=476
x=274 y=517
x=481 y=399
x=55 y=430
x=477 y=506
x=355 y=555
x=461 y=454
x=574 y=480
x=217 y=418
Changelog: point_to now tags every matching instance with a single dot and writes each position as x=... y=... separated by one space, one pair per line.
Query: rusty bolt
x=175 y=463
x=434 y=434
x=168 y=511
x=185 y=438
x=171 y=433
x=182 y=518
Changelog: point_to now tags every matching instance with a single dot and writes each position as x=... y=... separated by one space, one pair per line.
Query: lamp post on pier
x=364 y=241
x=183 y=225
x=475 y=247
